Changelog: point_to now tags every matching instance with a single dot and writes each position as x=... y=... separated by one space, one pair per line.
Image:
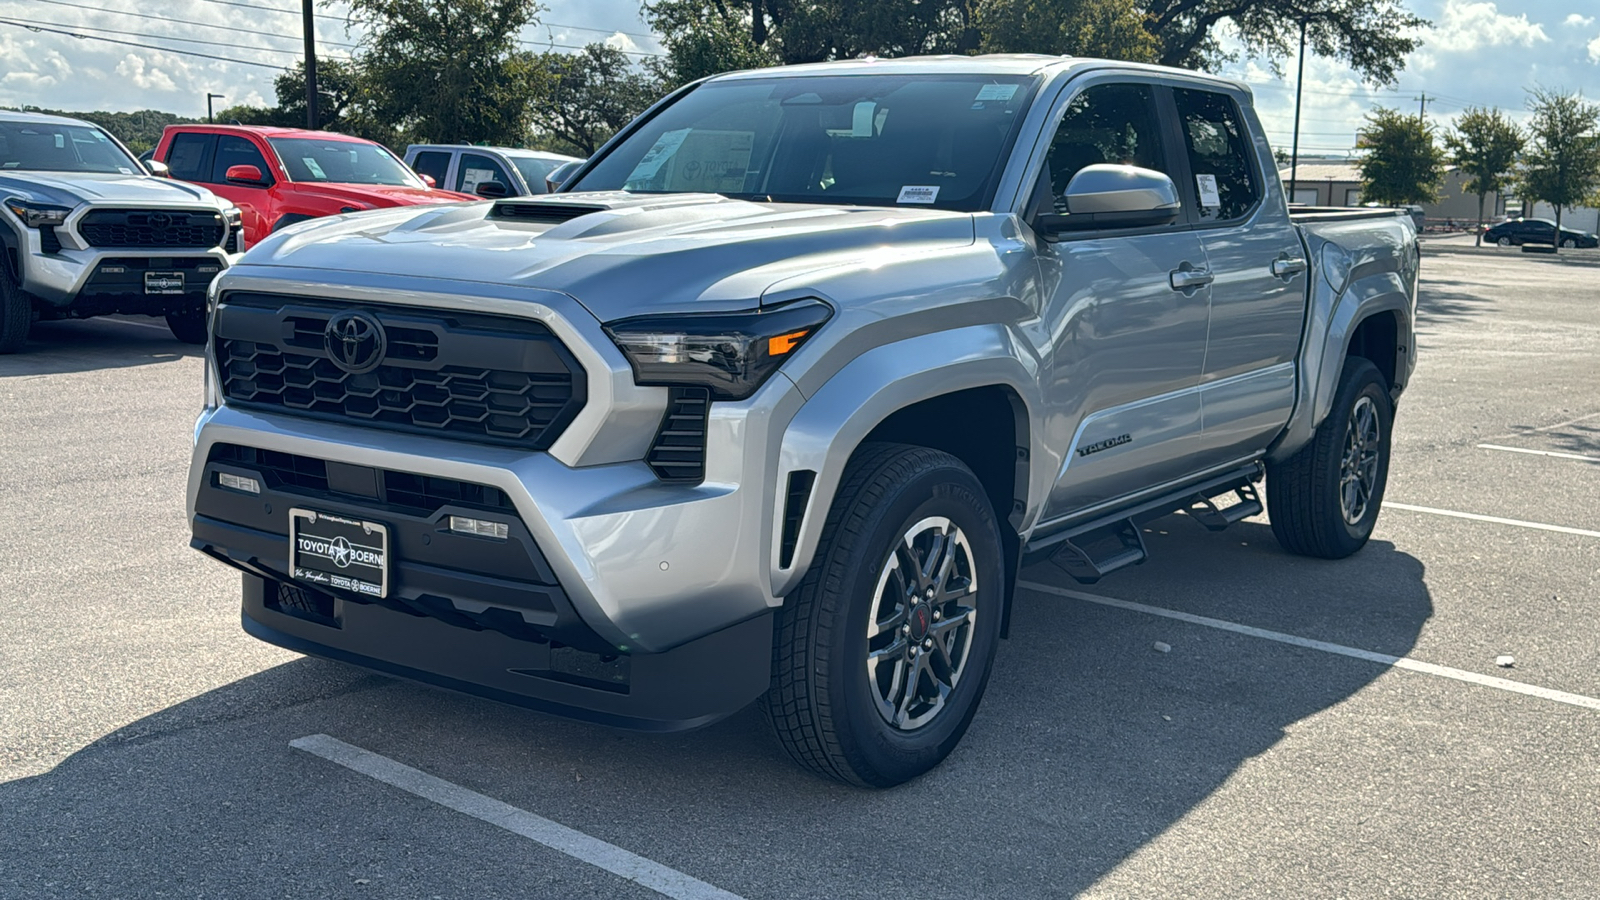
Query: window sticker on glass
x=997 y=92
x=917 y=193
x=1209 y=197
x=657 y=155
x=316 y=170
x=712 y=161
x=861 y=119
x=471 y=178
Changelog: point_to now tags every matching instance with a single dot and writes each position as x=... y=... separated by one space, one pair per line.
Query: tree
x=588 y=96
x=1403 y=163
x=447 y=71
x=1371 y=36
x=704 y=40
x=1562 y=163
x=1111 y=29
x=1483 y=145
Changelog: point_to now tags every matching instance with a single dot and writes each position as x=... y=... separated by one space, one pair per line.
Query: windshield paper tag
x=997 y=92
x=316 y=170
x=912 y=193
x=1209 y=198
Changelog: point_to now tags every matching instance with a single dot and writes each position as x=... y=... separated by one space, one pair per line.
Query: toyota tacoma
x=776 y=396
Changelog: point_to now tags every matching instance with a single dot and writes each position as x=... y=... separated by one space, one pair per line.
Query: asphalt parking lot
x=1315 y=729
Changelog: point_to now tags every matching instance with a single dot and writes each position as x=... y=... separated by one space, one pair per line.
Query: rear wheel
x=16 y=309
x=1324 y=500
x=188 y=325
x=882 y=654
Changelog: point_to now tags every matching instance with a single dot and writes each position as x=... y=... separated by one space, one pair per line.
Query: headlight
x=234 y=217
x=730 y=353
x=34 y=215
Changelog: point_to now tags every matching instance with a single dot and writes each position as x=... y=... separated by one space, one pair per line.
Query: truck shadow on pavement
x=85 y=345
x=1091 y=742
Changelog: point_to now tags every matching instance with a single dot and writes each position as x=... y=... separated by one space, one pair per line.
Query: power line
x=293 y=12
x=93 y=37
x=139 y=15
x=162 y=37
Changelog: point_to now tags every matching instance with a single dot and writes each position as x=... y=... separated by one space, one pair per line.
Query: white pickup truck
x=780 y=391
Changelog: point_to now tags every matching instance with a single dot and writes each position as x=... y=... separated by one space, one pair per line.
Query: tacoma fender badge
x=1106 y=444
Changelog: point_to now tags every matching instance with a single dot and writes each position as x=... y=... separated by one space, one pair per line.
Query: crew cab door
x=1255 y=253
x=256 y=202
x=1123 y=311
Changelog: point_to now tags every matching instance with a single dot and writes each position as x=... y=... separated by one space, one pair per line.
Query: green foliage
x=1371 y=36
x=1110 y=29
x=446 y=71
x=588 y=96
x=140 y=130
x=1483 y=144
x=704 y=39
x=1404 y=163
x=1561 y=164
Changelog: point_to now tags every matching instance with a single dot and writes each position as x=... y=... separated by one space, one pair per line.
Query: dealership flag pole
x=311 y=66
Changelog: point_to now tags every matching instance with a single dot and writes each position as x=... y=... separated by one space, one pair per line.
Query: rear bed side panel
x=1362 y=266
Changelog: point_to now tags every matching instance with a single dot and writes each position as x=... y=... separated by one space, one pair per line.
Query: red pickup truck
x=279 y=176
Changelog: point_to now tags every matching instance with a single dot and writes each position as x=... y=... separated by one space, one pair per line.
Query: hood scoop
x=547 y=213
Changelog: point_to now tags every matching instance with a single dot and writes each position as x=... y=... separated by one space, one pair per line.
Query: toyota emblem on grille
x=355 y=342
x=160 y=221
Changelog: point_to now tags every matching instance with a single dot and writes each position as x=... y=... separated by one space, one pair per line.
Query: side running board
x=1204 y=509
x=1093 y=555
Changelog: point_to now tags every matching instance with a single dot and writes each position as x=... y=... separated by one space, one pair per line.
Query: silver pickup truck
x=775 y=398
x=85 y=231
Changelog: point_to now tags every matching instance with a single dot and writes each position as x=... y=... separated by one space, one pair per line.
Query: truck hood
x=618 y=254
x=378 y=195
x=74 y=188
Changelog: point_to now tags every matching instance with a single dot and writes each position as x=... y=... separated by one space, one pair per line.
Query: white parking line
x=1540 y=526
x=1593 y=459
x=576 y=844
x=1395 y=662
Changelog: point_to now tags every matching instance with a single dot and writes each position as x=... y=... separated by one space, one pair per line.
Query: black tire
x=16 y=310
x=188 y=325
x=823 y=705
x=288 y=219
x=1569 y=243
x=1504 y=241
x=1309 y=515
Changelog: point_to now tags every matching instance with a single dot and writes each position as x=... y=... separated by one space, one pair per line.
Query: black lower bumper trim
x=687 y=687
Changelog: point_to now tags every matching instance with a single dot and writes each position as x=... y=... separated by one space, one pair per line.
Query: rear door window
x=237 y=151
x=1220 y=155
x=189 y=156
x=433 y=163
x=476 y=170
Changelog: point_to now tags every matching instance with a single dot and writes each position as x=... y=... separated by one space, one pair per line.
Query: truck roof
x=269 y=131
x=986 y=64
x=506 y=151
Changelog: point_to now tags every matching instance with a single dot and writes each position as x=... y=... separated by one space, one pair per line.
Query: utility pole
x=311 y=64
x=1422 y=105
x=1299 y=82
x=209 y=119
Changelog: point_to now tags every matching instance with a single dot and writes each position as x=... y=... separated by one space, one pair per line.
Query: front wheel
x=1569 y=243
x=1324 y=500
x=188 y=325
x=1504 y=241
x=16 y=311
x=882 y=654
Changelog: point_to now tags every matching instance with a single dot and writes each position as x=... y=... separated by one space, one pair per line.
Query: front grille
x=678 y=453
x=488 y=379
x=235 y=242
x=152 y=228
x=421 y=495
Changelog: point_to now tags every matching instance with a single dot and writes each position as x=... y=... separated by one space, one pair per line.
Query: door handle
x=1188 y=279
x=1285 y=267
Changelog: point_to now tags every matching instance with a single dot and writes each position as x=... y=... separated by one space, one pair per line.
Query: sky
x=1476 y=53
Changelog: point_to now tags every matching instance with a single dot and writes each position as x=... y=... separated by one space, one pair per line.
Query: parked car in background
x=86 y=231
x=485 y=171
x=1537 y=231
x=280 y=176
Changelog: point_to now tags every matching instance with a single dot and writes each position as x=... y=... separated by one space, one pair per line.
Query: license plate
x=338 y=552
x=163 y=282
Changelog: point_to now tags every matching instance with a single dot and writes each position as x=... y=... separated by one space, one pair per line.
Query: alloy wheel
x=1358 y=468
x=920 y=624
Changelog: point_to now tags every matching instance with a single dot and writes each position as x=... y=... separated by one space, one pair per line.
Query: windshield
x=345 y=162
x=534 y=169
x=62 y=148
x=878 y=140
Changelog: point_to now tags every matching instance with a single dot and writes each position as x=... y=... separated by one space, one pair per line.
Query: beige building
x=1324 y=182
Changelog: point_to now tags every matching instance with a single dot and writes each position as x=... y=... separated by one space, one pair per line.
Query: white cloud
x=132 y=67
x=1594 y=49
x=1581 y=21
x=620 y=41
x=1467 y=25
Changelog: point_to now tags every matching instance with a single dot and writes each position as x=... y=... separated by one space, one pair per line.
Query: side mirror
x=1113 y=196
x=492 y=190
x=560 y=175
x=428 y=180
x=247 y=175
x=157 y=168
